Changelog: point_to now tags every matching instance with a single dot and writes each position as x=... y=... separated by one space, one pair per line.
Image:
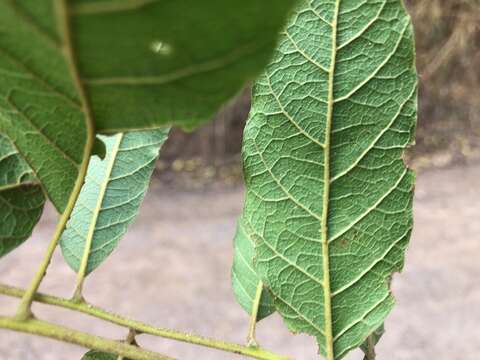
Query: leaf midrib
x=62 y=15
x=328 y=320
x=98 y=206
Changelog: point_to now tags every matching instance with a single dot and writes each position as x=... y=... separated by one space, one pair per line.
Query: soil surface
x=172 y=269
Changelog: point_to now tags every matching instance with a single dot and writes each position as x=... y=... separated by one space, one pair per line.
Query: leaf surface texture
x=329 y=200
x=21 y=198
x=68 y=68
x=245 y=279
x=111 y=196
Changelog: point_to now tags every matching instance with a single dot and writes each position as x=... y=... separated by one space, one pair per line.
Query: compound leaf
x=21 y=198
x=329 y=200
x=245 y=279
x=69 y=68
x=111 y=196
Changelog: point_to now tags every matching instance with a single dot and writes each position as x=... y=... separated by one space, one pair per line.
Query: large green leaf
x=121 y=64
x=245 y=280
x=113 y=191
x=21 y=198
x=329 y=199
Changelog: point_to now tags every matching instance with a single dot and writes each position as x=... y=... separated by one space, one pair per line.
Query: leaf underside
x=245 y=279
x=329 y=200
x=111 y=196
x=99 y=355
x=21 y=198
x=140 y=64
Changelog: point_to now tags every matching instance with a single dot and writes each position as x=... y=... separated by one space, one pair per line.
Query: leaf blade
x=21 y=198
x=52 y=56
x=328 y=196
x=244 y=276
x=110 y=198
x=99 y=355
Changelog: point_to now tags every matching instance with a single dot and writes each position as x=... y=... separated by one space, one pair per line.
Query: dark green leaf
x=98 y=355
x=69 y=66
x=21 y=198
x=329 y=200
x=111 y=196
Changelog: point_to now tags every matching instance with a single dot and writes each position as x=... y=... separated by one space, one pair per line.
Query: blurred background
x=172 y=268
x=448 y=59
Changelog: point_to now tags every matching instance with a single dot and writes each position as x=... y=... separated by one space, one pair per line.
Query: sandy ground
x=172 y=269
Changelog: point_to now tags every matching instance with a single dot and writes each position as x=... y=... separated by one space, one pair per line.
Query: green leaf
x=244 y=276
x=329 y=199
x=69 y=68
x=21 y=198
x=98 y=355
x=111 y=196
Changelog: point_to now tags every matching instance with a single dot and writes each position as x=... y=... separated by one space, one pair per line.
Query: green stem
x=46 y=329
x=256 y=353
x=251 y=340
x=24 y=310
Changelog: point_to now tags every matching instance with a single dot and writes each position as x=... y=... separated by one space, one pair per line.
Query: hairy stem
x=256 y=353
x=63 y=24
x=46 y=329
x=251 y=340
x=24 y=310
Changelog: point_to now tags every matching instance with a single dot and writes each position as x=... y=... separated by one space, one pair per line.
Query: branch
x=256 y=353
x=46 y=329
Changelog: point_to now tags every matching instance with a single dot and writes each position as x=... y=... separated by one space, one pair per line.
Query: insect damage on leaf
x=111 y=196
x=68 y=69
x=329 y=200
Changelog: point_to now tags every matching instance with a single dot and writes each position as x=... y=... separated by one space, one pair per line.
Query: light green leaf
x=21 y=198
x=113 y=191
x=244 y=276
x=71 y=66
x=329 y=199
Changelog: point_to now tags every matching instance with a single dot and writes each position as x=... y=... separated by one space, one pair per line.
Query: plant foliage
x=88 y=90
x=329 y=200
x=21 y=198
x=113 y=191
x=69 y=68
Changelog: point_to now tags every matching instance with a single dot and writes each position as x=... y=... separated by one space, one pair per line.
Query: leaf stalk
x=24 y=310
x=251 y=339
x=139 y=327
